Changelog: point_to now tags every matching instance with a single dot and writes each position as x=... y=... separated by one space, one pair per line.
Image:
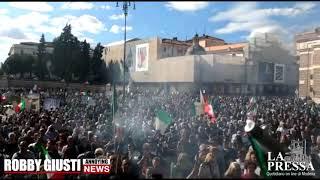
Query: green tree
x=28 y=61
x=41 y=58
x=13 y=65
x=97 y=66
x=66 y=54
x=82 y=65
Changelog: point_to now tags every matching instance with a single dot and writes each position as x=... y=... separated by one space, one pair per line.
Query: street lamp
x=125 y=6
x=309 y=46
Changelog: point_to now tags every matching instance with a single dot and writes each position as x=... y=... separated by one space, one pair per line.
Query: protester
x=234 y=171
x=190 y=147
x=250 y=168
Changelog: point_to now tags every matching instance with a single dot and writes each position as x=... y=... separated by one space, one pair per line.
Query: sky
x=104 y=22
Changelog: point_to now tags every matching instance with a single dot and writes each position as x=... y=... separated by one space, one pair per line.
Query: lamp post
x=309 y=46
x=125 y=6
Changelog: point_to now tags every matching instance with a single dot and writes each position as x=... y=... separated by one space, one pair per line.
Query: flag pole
x=113 y=122
x=113 y=84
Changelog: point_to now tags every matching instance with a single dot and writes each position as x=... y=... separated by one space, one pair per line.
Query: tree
x=13 y=65
x=28 y=62
x=97 y=65
x=82 y=65
x=41 y=55
x=66 y=54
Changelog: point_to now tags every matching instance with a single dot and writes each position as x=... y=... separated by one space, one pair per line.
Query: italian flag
x=252 y=108
x=207 y=108
x=252 y=102
x=261 y=156
x=202 y=101
x=45 y=152
x=163 y=120
x=21 y=106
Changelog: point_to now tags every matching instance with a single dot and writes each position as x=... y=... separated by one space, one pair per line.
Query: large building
x=28 y=48
x=308 y=53
x=258 y=67
x=31 y=48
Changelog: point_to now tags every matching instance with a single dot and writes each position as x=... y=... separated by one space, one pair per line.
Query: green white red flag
x=44 y=151
x=162 y=121
x=252 y=108
x=21 y=106
x=201 y=98
x=207 y=107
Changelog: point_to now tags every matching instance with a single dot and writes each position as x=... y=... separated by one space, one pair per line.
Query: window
x=164 y=49
x=21 y=51
x=311 y=76
x=268 y=68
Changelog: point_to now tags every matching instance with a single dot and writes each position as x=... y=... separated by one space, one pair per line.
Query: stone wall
x=219 y=68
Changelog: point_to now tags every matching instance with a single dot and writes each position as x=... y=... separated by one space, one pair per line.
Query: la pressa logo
x=294 y=163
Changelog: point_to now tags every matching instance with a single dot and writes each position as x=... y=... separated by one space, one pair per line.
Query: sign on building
x=279 y=73
x=142 y=57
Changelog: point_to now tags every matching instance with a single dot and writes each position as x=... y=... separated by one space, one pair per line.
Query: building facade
x=31 y=48
x=242 y=68
x=308 y=55
x=28 y=48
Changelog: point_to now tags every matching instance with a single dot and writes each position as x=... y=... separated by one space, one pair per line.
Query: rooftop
x=48 y=44
x=176 y=41
x=308 y=36
x=115 y=43
x=226 y=47
x=204 y=36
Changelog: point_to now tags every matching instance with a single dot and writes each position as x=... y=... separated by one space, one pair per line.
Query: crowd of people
x=191 y=147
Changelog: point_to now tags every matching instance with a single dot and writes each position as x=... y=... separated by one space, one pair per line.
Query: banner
x=33 y=102
x=51 y=103
x=142 y=57
x=279 y=73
